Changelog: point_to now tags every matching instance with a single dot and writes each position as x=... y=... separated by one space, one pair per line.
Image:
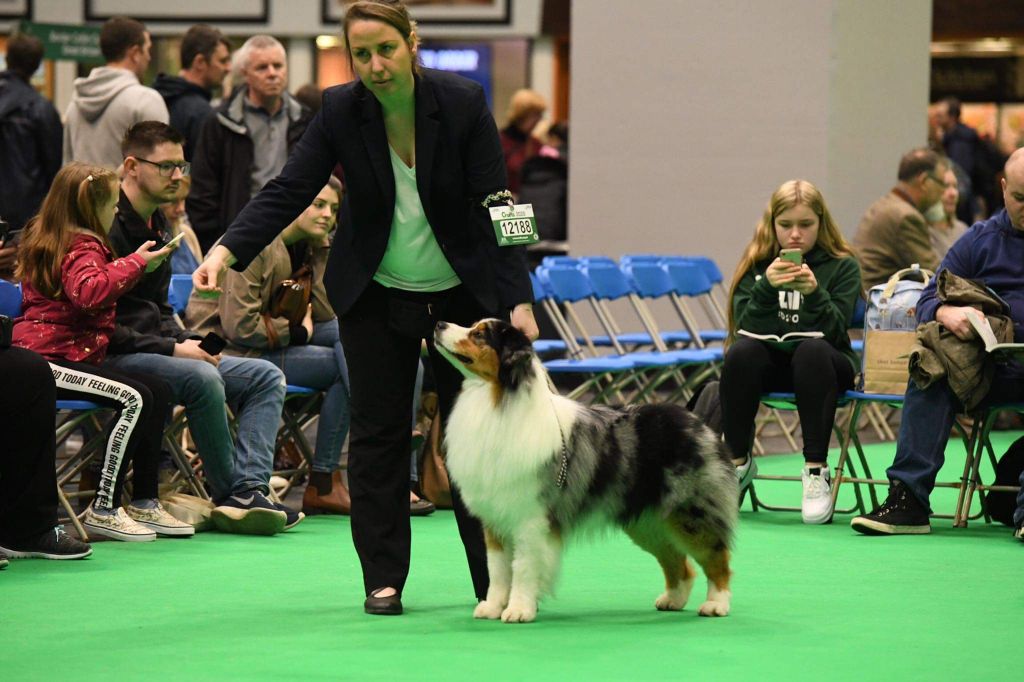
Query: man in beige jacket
x=893 y=234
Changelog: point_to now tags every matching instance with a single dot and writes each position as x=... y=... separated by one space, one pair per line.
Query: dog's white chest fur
x=495 y=452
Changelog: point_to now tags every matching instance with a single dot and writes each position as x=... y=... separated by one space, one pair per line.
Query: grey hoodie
x=105 y=104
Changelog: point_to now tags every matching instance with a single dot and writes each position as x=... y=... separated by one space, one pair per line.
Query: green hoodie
x=760 y=308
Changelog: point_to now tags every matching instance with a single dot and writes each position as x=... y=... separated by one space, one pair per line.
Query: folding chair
x=787 y=402
x=979 y=440
x=301 y=408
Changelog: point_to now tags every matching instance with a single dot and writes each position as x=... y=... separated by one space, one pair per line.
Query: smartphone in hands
x=794 y=256
x=174 y=241
x=213 y=344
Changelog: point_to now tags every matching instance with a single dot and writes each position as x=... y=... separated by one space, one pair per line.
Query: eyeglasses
x=166 y=169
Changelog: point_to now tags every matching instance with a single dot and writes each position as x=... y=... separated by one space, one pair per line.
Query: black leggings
x=142 y=403
x=28 y=480
x=816 y=372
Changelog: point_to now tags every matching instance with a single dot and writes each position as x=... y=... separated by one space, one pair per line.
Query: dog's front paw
x=488 y=610
x=714 y=608
x=669 y=601
x=519 y=613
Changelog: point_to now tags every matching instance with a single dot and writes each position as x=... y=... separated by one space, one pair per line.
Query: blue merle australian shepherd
x=534 y=467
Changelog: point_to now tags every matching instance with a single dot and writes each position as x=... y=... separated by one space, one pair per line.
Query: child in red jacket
x=70 y=283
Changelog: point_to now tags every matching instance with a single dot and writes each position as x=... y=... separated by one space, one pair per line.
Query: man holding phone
x=149 y=339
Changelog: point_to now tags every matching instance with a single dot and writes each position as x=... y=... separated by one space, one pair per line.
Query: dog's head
x=492 y=350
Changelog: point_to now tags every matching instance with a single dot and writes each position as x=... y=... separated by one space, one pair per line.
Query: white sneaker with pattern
x=117 y=526
x=159 y=521
x=816 y=504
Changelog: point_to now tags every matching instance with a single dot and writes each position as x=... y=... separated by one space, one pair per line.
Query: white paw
x=714 y=608
x=670 y=601
x=488 y=610
x=519 y=613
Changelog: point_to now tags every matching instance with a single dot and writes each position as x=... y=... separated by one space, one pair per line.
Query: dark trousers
x=142 y=403
x=28 y=480
x=382 y=336
x=815 y=371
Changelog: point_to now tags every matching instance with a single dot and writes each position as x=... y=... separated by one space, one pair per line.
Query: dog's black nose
x=441 y=326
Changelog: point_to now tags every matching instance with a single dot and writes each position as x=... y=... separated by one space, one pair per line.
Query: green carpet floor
x=809 y=603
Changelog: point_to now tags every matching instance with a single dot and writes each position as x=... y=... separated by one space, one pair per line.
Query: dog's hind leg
x=499 y=566
x=679 y=574
x=536 y=556
x=715 y=563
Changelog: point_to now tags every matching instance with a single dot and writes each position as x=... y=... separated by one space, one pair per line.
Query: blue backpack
x=893 y=306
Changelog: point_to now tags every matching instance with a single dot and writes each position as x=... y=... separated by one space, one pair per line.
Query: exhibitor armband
x=514 y=224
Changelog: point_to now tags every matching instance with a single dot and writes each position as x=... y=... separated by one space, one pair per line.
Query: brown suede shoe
x=337 y=501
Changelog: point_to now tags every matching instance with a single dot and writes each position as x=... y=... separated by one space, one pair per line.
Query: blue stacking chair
x=542 y=298
x=610 y=284
x=570 y=285
x=690 y=281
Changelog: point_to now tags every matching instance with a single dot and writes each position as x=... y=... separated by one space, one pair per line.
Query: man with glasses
x=893 y=234
x=149 y=339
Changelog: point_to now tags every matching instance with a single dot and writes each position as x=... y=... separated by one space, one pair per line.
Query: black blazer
x=458 y=162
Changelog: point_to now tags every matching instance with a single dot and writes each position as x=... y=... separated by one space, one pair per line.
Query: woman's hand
x=782 y=273
x=153 y=258
x=805 y=282
x=523 y=320
x=204 y=279
x=307 y=322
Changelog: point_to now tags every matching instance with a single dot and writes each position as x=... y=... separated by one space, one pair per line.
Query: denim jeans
x=924 y=432
x=320 y=364
x=255 y=391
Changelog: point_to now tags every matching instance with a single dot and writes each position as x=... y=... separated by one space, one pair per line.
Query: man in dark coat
x=30 y=136
x=245 y=142
x=205 y=60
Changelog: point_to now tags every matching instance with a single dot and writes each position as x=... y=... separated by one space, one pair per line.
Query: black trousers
x=382 y=336
x=28 y=479
x=815 y=371
x=142 y=403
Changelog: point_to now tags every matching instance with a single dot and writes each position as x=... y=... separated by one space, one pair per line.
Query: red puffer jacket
x=76 y=325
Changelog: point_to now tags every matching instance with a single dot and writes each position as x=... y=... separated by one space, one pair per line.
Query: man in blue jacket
x=992 y=252
x=30 y=135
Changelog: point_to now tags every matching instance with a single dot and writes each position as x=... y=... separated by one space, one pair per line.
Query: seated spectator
x=944 y=227
x=71 y=283
x=149 y=339
x=893 y=234
x=773 y=295
x=308 y=351
x=28 y=480
x=990 y=254
x=188 y=255
x=525 y=111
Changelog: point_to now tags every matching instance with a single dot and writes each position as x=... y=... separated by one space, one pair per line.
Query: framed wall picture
x=15 y=9
x=437 y=11
x=181 y=11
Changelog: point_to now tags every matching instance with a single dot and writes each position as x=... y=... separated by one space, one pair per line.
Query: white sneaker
x=159 y=521
x=816 y=504
x=745 y=473
x=117 y=526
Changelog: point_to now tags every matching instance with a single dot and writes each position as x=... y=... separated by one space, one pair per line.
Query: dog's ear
x=515 y=356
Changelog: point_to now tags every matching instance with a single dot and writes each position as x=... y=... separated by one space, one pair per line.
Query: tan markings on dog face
x=484 y=359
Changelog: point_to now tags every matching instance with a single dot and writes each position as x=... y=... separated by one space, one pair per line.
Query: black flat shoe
x=383 y=606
